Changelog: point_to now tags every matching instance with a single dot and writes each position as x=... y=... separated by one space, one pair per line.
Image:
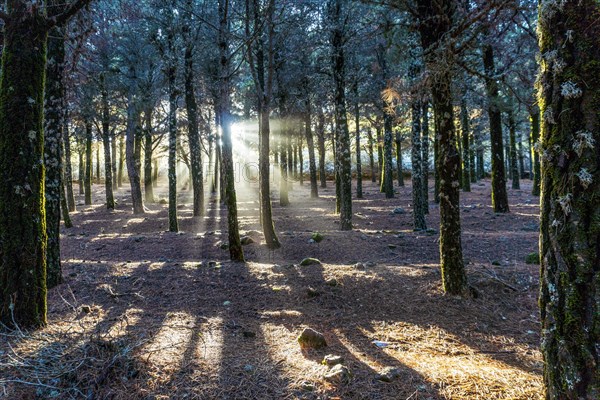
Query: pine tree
x=569 y=99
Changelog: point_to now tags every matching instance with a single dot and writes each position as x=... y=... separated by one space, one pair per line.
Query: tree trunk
x=370 y=145
x=499 y=195
x=464 y=124
x=88 y=162
x=535 y=154
x=97 y=162
x=314 y=187
x=193 y=133
x=387 y=179
x=113 y=160
x=341 y=122
x=399 y=163
x=122 y=157
x=81 y=165
x=23 y=221
x=435 y=23
x=425 y=148
x=417 y=173
x=321 y=139
x=68 y=176
x=359 y=183
x=172 y=122
x=514 y=166
x=379 y=154
x=236 y=253
x=569 y=99
x=284 y=199
x=148 y=153
x=132 y=170
x=54 y=123
x=108 y=181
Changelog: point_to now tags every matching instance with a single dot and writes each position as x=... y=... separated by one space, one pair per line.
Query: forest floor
x=148 y=314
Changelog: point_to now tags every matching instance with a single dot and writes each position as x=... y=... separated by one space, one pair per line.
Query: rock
x=431 y=231
x=249 y=334
x=370 y=264
x=392 y=246
x=338 y=374
x=248 y=367
x=533 y=258
x=308 y=386
x=359 y=266
x=317 y=237
x=388 y=374
x=330 y=360
x=399 y=211
x=311 y=339
x=496 y=263
x=163 y=201
x=312 y=292
x=309 y=261
x=332 y=282
x=224 y=246
x=246 y=240
x=86 y=309
x=227 y=303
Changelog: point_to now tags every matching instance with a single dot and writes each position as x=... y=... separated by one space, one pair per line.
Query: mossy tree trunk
x=236 y=252
x=22 y=205
x=499 y=194
x=341 y=122
x=53 y=138
x=435 y=21
x=191 y=105
x=569 y=99
x=133 y=116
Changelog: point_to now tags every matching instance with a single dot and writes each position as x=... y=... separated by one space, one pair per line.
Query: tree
x=569 y=99
x=23 y=236
x=435 y=19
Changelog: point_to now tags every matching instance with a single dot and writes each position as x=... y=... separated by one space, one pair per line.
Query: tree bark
x=341 y=122
x=88 y=162
x=321 y=139
x=512 y=133
x=465 y=134
x=53 y=137
x=535 y=154
x=172 y=122
x=22 y=209
x=133 y=116
x=108 y=182
x=370 y=148
x=425 y=148
x=435 y=21
x=359 y=177
x=399 y=163
x=499 y=194
x=569 y=99
x=314 y=188
x=148 y=154
x=417 y=173
x=68 y=175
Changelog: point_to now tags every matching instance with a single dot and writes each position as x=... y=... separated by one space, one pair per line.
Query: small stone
x=311 y=339
x=359 y=266
x=388 y=374
x=308 y=386
x=496 y=263
x=224 y=246
x=370 y=264
x=431 y=231
x=309 y=261
x=227 y=303
x=312 y=292
x=246 y=240
x=249 y=334
x=338 y=374
x=330 y=360
x=163 y=201
x=248 y=367
x=86 y=309
x=399 y=211
x=392 y=246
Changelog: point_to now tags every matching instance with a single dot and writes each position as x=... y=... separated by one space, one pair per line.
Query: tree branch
x=63 y=18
